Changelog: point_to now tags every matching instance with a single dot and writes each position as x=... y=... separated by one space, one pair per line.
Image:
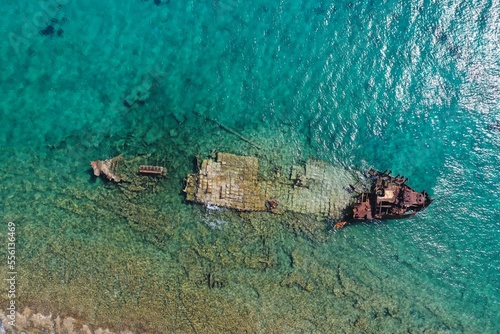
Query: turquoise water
x=412 y=87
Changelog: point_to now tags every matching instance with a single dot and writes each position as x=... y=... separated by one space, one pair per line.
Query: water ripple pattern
x=408 y=86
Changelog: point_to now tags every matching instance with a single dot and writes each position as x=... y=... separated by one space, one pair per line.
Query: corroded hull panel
x=389 y=198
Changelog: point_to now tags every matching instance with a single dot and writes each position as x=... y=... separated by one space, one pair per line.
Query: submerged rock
x=48 y=31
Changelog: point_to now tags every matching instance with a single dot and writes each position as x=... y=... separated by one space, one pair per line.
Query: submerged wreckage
x=313 y=188
x=110 y=169
x=232 y=181
x=389 y=198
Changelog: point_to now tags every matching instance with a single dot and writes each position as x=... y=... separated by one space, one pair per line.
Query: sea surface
x=408 y=86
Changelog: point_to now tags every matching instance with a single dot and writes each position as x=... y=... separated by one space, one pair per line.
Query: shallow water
x=408 y=87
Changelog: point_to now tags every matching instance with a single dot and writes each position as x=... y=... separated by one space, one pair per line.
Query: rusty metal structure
x=124 y=170
x=316 y=188
x=151 y=170
x=389 y=198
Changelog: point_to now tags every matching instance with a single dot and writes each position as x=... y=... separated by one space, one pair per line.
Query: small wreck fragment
x=389 y=198
x=108 y=167
x=151 y=170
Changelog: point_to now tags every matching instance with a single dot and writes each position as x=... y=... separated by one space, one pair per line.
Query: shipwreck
x=313 y=188
x=389 y=198
x=119 y=169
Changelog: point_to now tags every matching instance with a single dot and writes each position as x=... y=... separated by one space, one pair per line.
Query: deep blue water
x=410 y=86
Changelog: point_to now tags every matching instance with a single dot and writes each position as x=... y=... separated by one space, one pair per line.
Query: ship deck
x=233 y=181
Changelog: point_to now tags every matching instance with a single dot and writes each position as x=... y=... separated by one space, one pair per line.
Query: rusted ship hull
x=389 y=198
x=315 y=188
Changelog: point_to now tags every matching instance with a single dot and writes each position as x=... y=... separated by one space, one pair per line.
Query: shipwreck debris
x=340 y=224
x=229 y=130
x=151 y=170
x=108 y=167
x=232 y=181
x=389 y=198
x=315 y=188
x=272 y=204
